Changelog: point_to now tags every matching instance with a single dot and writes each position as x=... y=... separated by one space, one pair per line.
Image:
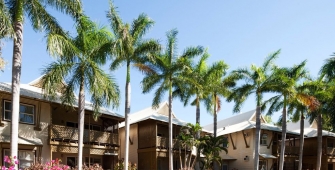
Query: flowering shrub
x=52 y=165
x=11 y=161
x=120 y=165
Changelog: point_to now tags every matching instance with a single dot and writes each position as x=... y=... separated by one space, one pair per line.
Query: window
x=26 y=112
x=72 y=124
x=225 y=142
x=71 y=161
x=264 y=139
x=93 y=161
x=262 y=165
x=26 y=158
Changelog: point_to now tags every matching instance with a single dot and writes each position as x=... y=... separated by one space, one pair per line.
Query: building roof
x=313 y=132
x=245 y=125
x=310 y=129
x=160 y=114
x=37 y=93
x=22 y=140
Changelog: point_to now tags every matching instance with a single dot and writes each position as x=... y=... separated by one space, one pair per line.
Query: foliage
x=211 y=147
x=120 y=165
x=187 y=140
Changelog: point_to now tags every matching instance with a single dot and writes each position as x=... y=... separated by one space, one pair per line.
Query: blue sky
x=239 y=32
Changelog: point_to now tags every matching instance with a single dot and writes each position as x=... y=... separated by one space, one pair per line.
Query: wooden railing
x=70 y=134
x=289 y=150
x=163 y=143
x=330 y=150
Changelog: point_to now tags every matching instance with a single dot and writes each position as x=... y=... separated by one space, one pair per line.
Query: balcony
x=69 y=134
x=163 y=143
x=289 y=150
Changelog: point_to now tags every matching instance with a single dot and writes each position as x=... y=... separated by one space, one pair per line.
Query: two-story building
x=240 y=130
x=149 y=138
x=49 y=130
x=310 y=146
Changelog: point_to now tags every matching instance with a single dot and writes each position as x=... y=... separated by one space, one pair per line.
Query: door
x=330 y=166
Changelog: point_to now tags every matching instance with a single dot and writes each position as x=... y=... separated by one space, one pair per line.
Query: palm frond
x=140 y=26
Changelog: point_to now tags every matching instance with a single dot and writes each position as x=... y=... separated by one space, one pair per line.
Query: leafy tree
x=188 y=140
x=12 y=13
x=130 y=47
x=211 y=147
x=164 y=72
x=79 y=63
x=257 y=80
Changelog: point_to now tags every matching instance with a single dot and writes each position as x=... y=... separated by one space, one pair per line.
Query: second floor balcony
x=70 y=134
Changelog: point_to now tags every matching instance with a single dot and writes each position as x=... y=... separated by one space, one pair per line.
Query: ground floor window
x=224 y=167
x=71 y=161
x=92 y=161
x=25 y=157
x=262 y=164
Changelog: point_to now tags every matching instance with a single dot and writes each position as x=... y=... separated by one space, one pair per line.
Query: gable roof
x=245 y=125
x=310 y=129
x=238 y=118
x=37 y=93
x=160 y=114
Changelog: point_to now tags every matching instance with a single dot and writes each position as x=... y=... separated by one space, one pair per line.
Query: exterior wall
x=27 y=130
x=242 y=151
x=133 y=156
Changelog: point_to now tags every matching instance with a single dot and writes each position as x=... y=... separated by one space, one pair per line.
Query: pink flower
x=16 y=162
x=3 y=168
x=14 y=157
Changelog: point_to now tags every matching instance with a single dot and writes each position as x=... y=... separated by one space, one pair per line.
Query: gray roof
x=238 y=118
x=245 y=125
x=37 y=93
x=296 y=125
x=154 y=114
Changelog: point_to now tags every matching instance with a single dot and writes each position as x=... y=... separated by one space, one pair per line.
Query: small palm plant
x=188 y=140
x=211 y=147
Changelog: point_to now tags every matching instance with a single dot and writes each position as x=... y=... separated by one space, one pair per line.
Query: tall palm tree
x=288 y=79
x=79 y=62
x=41 y=20
x=130 y=47
x=258 y=80
x=164 y=72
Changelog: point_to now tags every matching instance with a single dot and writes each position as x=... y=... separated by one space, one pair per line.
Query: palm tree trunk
x=170 y=127
x=81 y=121
x=319 y=153
x=198 y=133
x=283 y=138
x=16 y=76
x=215 y=164
x=257 y=136
x=301 y=140
x=126 y=114
x=181 y=162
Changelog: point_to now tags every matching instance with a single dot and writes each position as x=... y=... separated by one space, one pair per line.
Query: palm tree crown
x=79 y=62
x=258 y=80
x=164 y=71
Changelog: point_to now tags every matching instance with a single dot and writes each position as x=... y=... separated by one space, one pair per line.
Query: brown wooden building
x=48 y=130
x=310 y=146
x=149 y=138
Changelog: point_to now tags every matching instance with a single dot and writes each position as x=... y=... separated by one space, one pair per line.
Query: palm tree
x=188 y=139
x=288 y=79
x=211 y=147
x=41 y=20
x=164 y=72
x=258 y=80
x=79 y=62
x=129 y=47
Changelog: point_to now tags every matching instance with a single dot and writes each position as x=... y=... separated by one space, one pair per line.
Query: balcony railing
x=70 y=134
x=163 y=143
x=289 y=150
